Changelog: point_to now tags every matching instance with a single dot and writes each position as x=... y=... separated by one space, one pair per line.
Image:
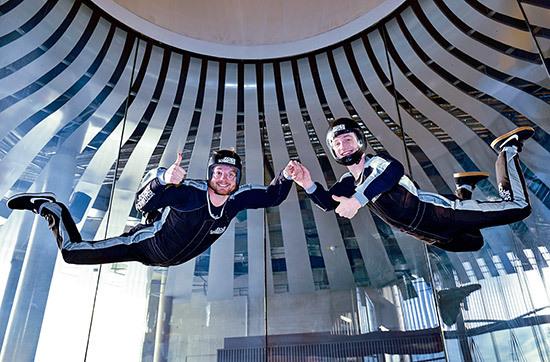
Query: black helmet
x=225 y=157
x=341 y=126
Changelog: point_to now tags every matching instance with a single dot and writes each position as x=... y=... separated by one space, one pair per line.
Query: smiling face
x=224 y=179
x=345 y=144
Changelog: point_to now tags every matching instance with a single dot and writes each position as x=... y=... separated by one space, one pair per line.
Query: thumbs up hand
x=348 y=206
x=175 y=173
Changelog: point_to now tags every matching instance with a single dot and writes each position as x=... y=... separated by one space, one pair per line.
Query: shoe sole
x=471 y=173
x=529 y=130
x=50 y=195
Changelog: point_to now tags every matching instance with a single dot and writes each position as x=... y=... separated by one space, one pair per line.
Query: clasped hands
x=347 y=207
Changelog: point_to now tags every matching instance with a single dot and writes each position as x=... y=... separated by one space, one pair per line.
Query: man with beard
x=184 y=217
x=452 y=223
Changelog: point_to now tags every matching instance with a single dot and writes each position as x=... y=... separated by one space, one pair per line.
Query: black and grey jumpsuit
x=443 y=221
x=187 y=225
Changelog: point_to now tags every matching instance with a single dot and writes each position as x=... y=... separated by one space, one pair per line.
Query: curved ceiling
x=433 y=85
x=249 y=29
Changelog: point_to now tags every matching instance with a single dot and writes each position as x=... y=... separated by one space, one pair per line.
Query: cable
x=541 y=54
x=112 y=196
x=407 y=158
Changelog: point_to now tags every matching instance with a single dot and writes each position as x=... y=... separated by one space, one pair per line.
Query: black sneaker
x=469 y=178
x=515 y=137
x=30 y=201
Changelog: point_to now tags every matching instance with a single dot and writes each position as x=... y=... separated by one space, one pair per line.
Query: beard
x=221 y=191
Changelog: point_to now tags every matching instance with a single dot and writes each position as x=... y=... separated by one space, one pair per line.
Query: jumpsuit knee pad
x=67 y=257
x=468 y=241
x=70 y=257
x=525 y=212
